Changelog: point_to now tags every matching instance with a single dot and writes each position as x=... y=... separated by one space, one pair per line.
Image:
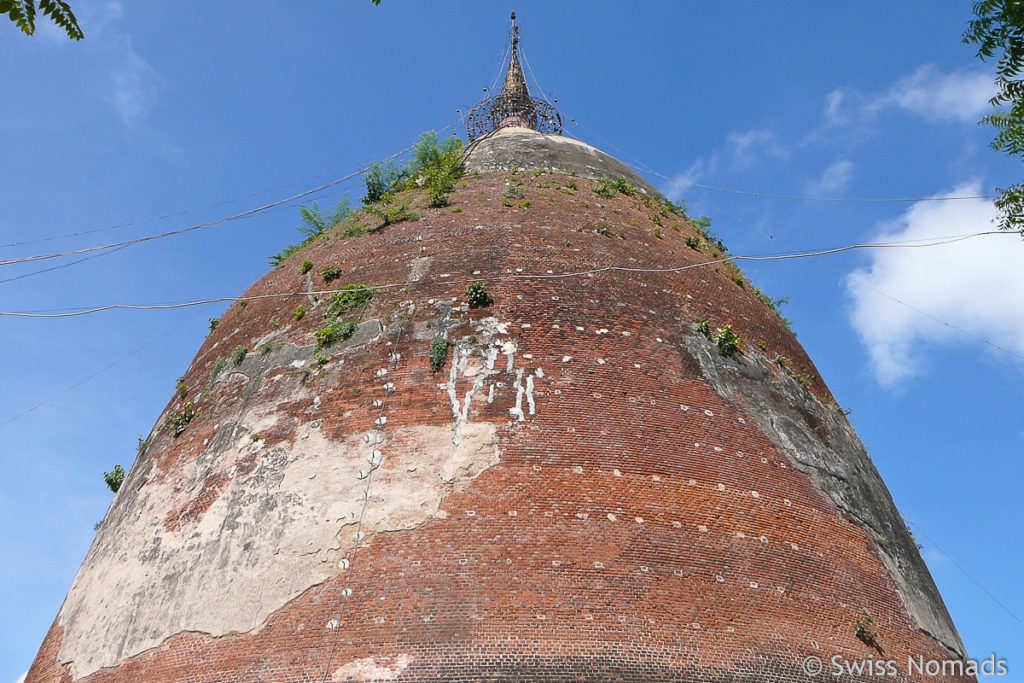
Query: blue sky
x=165 y=108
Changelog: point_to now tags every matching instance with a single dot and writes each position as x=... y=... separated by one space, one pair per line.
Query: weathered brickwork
x=609 y=513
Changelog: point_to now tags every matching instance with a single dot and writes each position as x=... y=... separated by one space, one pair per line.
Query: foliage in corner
x=478 y=296
x=727 y=341
x=998 y=29
x=315 y=225
x=177 y=424
x=438 y=353
x=114 y=479
x=23 y=14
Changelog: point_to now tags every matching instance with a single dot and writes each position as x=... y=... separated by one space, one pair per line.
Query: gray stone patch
x=820 y=443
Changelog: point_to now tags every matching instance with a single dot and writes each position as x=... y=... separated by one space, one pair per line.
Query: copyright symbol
x=812 y=666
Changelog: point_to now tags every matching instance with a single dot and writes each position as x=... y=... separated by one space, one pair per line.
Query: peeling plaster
x=284 y=519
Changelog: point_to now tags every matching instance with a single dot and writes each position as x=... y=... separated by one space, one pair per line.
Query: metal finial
x=513 y=106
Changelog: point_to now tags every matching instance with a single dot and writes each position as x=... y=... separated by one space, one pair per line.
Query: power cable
x=967 y=574
x=209 y=224
x=82 y=381
x=540 y=276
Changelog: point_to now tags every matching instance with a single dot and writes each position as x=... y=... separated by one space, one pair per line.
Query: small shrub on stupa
x=435 y=166
x=609 y=187
x=727 y=341
x=238 y=354
x=438 y=353
x=114 y=479
x=331 y=273
x=478 y=296
x=335 y=331
x=315 y=224
x=177 y=424
x=350 y=297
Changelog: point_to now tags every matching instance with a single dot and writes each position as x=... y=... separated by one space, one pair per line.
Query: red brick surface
x=620 y=537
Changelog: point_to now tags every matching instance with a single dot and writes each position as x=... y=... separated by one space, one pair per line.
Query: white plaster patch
x=269 y=536
x=368 y=669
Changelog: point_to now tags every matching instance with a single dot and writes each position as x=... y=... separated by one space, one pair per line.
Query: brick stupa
x=586 y=489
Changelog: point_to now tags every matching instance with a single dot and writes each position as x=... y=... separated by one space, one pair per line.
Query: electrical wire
x=967 y=574
x=213 y=223
x=99 y=372
x=911 y=244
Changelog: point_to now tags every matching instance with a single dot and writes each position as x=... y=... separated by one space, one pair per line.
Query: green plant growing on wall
x=213 y=323
x=238 y=354
x=300 y=312
x=478 y=296
x=864 y=629
x=609 y=187
x=438 y=353
x=176 y=424
x=391 y=211
x=333 y=332
x=435 y=166
x=331 y=273
x=181 y=387
x=704 y=327
x=348 y=298
x=115 y=478
x=218 y=367
x=315 y=224
x=306 y=266
x=141 y=446
x=727 y=341
x=514 y=192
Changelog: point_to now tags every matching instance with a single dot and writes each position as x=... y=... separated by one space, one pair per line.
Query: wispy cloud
x=21 y=678
x=833 y=180
x=973 y=284
x=113 y=68
x=750 y=146
x=958 y=96
x=131 y=82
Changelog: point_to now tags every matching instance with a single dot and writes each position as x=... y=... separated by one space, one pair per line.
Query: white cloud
x=21 y=678
x=974 y=284
x=833 y=180
x=747 y=147
x=957 y=96
x=131 y=82
x=834 y=113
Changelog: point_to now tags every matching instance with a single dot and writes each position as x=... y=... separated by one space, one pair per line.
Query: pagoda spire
x=513 y=106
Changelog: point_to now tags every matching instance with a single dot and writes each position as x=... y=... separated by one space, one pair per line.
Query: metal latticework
x=493 y=113
x=513 y=106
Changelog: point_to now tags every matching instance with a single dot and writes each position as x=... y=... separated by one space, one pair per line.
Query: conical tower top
x=513 y=106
